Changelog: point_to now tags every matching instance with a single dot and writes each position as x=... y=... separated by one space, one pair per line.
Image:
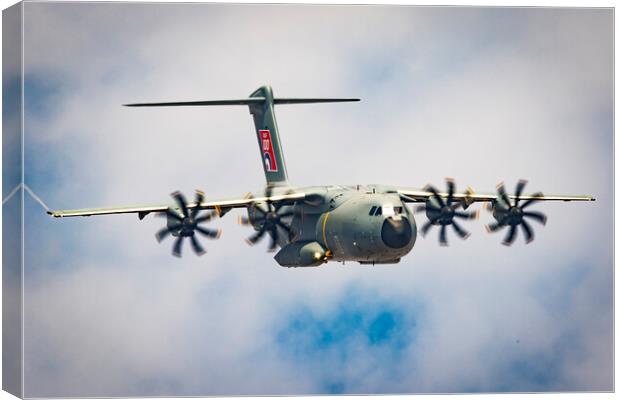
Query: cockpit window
x=398 y=210
x=378 y=210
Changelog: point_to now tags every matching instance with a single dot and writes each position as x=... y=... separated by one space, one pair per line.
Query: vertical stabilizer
x=268 y=137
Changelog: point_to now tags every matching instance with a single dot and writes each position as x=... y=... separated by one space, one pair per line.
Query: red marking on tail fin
x=269 y=157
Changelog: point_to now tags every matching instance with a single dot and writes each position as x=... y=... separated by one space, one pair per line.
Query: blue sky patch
x=42 y=94
x=362 y=329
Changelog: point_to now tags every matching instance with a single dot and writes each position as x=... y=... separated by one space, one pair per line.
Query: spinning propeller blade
x=186 y=224
x=510 y=213
x=267 y=218
x=442 y=212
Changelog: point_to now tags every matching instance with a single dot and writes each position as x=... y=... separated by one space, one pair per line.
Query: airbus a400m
x=369 y=224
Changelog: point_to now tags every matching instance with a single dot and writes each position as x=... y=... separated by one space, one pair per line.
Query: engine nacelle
x=502 y=212
x=433 y=211
x=174 y=226
x=184 y=227
x=301 y=254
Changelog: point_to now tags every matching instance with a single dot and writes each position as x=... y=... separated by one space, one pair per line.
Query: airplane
x=368 y=224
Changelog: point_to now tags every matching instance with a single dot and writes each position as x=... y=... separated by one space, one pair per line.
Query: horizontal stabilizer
x=239 y=102
x=307 y=101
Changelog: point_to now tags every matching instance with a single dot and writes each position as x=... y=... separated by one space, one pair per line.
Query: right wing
x=219 y=206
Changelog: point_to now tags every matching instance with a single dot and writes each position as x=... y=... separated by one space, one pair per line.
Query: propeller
x=183 y=223
x=267 y=218
x=442 y=213
x=512 y=214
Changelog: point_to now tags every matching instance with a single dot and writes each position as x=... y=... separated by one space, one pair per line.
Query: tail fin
x=268 y=137
x=261 y=104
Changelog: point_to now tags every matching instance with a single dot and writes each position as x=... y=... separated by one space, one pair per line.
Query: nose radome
x=396 y=233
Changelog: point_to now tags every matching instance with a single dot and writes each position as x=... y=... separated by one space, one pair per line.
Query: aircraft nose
x=396 y=233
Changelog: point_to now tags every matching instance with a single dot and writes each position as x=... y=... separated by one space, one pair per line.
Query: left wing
x=441 y=209
x=220 y=206
x=469 y=196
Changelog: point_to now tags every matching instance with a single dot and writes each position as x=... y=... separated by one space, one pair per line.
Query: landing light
x=388 y=210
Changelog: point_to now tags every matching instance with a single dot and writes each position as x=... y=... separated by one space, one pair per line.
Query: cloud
x=478 y=94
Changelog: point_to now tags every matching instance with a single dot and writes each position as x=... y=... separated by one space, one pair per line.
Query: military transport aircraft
x=369 y=224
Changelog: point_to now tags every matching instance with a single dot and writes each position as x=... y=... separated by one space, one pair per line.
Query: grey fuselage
x=367 y=224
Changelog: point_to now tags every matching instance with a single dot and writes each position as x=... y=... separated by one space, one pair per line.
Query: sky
x=482 y=95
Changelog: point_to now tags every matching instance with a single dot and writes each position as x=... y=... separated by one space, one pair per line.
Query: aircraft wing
x=218 y=205
x=469 y=196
